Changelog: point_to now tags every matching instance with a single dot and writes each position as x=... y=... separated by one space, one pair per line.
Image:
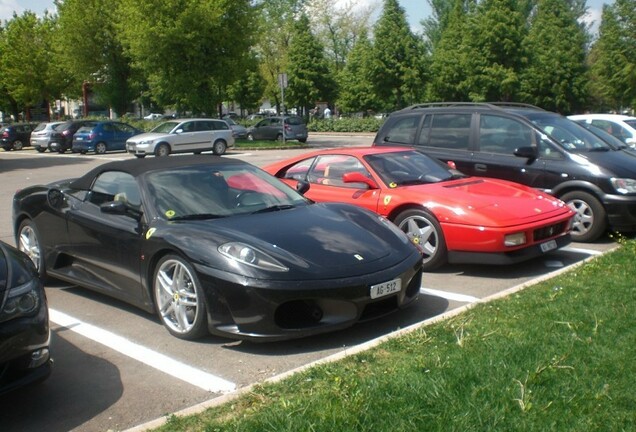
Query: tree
x=90 y=51
x=398 y=59
x=496 y=55
x=275 y=27
x=356 y=88
x=190 y=51
x=27 y=76
x=247 y=91
x=555 y=78
x=308 y=71
x=338 y=27
x=613 y=57
x=450 y=61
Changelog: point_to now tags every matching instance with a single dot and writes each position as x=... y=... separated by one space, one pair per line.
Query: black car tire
x=590 y=220
x=17 y=145
x=303 y=140
x=100 y=148
x=279 y=137
x=218 y=148
x=28 y=241
x=40 y=149
x=179 y=298
x=140 y=156
x=424 y=230
x=162 y=149
x=250 y=137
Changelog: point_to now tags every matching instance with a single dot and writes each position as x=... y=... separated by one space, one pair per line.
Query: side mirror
x=114 y=207
x=56 y=199
x=358 y=177
x=178 y=131
x=302 y=187
x=119 y=208
x=529 y=153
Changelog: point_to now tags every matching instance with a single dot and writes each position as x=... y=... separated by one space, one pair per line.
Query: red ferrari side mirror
x=358 y=177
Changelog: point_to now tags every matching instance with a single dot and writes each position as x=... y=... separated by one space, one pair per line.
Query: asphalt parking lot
x=116 y=367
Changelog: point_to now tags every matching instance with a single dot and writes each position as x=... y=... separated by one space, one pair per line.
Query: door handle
x=481 y=167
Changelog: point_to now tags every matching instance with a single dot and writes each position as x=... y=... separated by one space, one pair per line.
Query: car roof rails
x=492 y=105
x=516 y=105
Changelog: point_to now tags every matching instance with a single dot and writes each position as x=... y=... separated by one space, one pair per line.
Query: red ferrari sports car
x=454 y=218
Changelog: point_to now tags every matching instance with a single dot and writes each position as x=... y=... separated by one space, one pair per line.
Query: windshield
x=207 y=192
x=165 y=127
x=409 y=168
x=631 y=123
x=570 y=134
x=605 y=136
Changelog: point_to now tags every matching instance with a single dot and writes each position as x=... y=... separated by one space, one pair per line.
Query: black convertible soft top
x=138 y=166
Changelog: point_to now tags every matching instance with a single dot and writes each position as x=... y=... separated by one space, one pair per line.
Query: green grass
x=558 y=356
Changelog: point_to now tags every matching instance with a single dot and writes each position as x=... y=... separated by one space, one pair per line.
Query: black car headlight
x=248 y=255
x=624 y=185
x=21 y=301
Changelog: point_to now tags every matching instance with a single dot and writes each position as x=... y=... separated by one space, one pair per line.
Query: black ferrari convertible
x=217 y=245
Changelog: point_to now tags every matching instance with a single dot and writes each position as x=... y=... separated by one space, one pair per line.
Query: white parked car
x=153 y=116
x=43 y=135
x=183 y=136
x=621 y=126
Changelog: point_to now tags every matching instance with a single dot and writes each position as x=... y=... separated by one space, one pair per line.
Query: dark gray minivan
x=531 y=146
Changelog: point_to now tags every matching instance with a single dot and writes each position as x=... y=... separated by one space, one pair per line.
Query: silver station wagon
x=183 y=136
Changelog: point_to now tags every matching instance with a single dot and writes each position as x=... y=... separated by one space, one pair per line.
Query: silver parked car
x=183 y=136
x=271 y=128
x=43 y=134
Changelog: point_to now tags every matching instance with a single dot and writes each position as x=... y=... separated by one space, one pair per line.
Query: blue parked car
x=102 y=136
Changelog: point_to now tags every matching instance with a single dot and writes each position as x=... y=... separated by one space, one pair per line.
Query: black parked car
x=17 y=135
x=531 y=146
x=271 y=128
x=217 y=245
x=62 y=138
x=24 y=322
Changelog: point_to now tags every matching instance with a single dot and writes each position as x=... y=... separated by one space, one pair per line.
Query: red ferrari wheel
x=424 y=230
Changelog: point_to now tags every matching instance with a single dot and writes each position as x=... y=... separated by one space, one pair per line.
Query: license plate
x=79 y=139
x=548 y=246
x=386 y=288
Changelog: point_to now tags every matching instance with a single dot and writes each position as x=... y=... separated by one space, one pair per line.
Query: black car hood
x=618 y=163
x=325 y=240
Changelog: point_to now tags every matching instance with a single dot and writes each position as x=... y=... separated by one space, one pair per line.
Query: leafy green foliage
x=555 y=78
x=613 y=56
x=308 y=71
x=27 y=75
x=183 y=48
x=355 y=81
x=399 y=60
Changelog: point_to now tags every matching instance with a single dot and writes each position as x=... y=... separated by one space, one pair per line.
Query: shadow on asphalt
x=63 y=397
x=23 y=163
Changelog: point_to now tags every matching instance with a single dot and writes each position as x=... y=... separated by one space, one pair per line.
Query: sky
x=416 y=10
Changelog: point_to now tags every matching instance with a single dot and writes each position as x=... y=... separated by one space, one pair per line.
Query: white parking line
x=144 y=355
x=449 y=295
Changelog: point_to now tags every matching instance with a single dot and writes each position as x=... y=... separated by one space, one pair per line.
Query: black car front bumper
x=269 y=310
x=24 y=351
